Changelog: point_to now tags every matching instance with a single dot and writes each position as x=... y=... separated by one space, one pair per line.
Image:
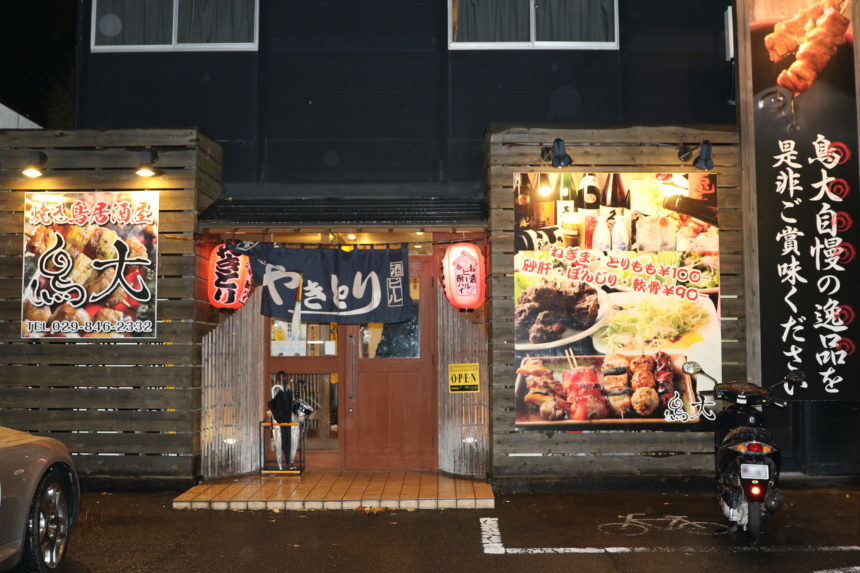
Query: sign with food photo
x=807 y=179
x=616 y=284
x=90 y=265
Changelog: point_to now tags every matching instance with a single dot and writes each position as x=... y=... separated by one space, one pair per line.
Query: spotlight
x=704 y=161
x=556 y=154
x=685 y=153
x=546 y=154
x=146 y=166
x=560 y=158
x=36 y=161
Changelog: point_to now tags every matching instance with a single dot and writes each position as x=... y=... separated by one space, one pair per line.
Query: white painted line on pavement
x=491 y=537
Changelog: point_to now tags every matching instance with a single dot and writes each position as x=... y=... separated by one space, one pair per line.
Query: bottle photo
x=544 y=202
x=523 y=210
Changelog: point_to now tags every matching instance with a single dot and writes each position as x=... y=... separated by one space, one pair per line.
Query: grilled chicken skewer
x=815 y=34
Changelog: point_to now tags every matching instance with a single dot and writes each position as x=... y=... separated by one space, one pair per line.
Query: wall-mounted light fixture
x=704 y=161
x=36 y=161
x=146 y=164
x=560 y=158
x=557 y=154
x=685 y=152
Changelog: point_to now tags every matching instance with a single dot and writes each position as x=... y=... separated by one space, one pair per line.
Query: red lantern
x=464 y=276
x=229 y=278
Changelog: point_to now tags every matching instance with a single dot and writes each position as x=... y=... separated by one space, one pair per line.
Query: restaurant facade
x=458 y=249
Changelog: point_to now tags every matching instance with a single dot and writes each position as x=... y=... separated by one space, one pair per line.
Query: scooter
x=745 y=454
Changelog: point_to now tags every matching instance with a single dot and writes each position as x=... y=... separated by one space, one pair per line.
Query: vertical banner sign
x=616 y=282
x=89 y=265
x=807 y=192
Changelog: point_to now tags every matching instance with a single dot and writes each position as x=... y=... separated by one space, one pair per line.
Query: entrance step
x=332 y=489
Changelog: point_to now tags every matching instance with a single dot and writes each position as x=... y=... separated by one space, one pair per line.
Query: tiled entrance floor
x=331 y=489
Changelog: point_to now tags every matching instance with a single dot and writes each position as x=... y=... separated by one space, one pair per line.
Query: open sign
x=464 y=378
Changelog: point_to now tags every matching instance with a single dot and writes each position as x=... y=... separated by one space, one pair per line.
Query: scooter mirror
x=691 y=367
x=795 y=377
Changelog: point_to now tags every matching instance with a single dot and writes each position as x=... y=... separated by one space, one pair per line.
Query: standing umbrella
x=281 y=406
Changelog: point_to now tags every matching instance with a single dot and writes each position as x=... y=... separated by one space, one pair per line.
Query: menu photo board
x=616 y=283
x=805 y=126
x=89 y=265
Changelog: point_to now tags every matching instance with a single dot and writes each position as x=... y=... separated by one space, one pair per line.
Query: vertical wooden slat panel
x=635 y=149
x=464 y=435
x=126 y=408
x=233 y=393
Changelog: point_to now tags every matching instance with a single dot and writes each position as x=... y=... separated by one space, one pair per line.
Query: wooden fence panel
x=464 y=425
x=126 y=408
x=523 y=454
x=233 y=375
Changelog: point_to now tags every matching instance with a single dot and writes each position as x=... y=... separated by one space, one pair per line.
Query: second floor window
x=156 y=25
x=525 y=24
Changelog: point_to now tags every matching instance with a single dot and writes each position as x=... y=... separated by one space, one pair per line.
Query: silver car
x=39 y=499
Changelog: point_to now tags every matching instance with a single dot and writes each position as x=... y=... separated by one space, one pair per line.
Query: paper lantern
x=464 y=276
x=229 y=278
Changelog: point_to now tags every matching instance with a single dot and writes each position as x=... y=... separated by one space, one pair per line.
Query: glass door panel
x=395 y=340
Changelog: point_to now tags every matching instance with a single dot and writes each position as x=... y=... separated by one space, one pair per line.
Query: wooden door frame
x=336 y=458
x=428 y=337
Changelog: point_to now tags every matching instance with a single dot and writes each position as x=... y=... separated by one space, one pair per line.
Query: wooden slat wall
x=125 y=409
x=637 y=149
x=464 y=424
x=233 y=368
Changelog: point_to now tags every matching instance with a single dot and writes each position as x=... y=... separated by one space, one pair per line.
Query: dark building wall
x=215 y=91
x=37 y=67
x=366 y=91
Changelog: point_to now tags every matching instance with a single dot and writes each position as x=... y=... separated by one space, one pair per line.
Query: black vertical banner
x=807 y=188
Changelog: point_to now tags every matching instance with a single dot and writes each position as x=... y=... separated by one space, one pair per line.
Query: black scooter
x=746 y=456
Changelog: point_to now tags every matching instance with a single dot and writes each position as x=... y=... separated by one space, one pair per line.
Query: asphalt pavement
x=818 y=530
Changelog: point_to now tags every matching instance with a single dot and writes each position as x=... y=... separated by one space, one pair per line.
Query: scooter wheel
x=753 y=523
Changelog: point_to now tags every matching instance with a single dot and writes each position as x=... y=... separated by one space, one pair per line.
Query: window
x=159 y=25
x=396 y=339
x=533 y=24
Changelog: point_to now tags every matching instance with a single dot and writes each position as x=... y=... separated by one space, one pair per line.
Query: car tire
x=47 y=536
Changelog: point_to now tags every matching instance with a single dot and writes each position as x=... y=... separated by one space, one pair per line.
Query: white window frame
x=533 y=44
x=175 y=45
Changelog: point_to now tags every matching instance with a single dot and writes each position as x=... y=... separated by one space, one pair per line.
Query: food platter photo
x=640 y=322
x=571 y=392
x=550 y=323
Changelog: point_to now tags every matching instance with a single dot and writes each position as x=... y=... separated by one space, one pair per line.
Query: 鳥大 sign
x=331 y=285
x=90 y=264
x=806 y=184
x=616 y=283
